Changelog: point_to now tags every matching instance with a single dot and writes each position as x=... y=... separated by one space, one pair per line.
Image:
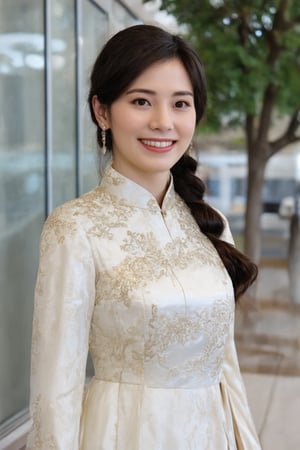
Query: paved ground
x=268 y=343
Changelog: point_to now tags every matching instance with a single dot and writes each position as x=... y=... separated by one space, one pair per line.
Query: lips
x=158 y=145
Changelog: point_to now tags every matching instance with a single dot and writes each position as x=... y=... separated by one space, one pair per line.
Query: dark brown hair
x=123 y=58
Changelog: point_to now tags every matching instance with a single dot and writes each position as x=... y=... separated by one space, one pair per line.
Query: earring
x=103 y=140
x=190 y=149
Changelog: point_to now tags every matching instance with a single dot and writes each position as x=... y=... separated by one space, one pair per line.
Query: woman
x=143 y=273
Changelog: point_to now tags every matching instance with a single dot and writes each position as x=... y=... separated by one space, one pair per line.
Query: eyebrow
x=150 y=92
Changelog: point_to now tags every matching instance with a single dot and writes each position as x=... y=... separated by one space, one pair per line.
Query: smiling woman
x=141 y=272
x=151 y=124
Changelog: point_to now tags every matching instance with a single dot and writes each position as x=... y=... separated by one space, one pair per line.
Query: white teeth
x=158 y=144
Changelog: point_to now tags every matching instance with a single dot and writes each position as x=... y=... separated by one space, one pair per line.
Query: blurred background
x=248 y=148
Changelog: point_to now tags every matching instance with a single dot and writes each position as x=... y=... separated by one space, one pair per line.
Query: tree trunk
x=294 y=259
x=256 y=173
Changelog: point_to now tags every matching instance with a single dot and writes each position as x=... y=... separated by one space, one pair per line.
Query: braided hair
x=123 y=58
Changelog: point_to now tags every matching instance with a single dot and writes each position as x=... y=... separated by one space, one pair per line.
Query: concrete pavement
x=268 y=343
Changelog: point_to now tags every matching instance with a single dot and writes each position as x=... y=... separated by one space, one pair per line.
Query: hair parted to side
x=128 y=53
x=123 y=58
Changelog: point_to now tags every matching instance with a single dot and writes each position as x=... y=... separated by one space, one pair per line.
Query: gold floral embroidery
x=180 y=328
x=38 y=439
x=134 y=294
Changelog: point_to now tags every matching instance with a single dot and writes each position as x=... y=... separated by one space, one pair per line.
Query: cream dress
x=145 y=291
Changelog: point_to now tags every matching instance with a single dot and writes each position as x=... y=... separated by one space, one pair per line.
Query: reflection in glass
x=21 y=190
x=123 y=17
x=63 y=101
x=94 y=31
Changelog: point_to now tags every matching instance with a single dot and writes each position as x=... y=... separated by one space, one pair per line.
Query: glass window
x=21 y=190
x=94 y=35
x=22 y=158
x=238 y=187
x=63 y=100
x=274 y=190
x=213 y=186
x=122 y=16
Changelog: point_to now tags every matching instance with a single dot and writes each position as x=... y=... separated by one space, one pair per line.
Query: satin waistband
x=174 y=383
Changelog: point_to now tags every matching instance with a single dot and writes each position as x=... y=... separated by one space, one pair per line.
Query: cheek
x=121 y=125
x=189 y=128
x=125 y=122
x=187 y=123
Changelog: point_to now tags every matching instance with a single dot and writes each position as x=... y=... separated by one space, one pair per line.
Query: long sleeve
x=233 y=389
x=234 y=395
x=64 y=299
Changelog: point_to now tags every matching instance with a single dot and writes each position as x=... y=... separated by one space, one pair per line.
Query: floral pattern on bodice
x=146 y=292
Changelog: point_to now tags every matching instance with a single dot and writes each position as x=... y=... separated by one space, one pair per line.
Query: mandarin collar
x=133 y=194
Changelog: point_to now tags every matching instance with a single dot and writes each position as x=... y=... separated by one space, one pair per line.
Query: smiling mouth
x=157 y=144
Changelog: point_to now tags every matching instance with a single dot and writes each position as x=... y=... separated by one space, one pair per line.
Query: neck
x=157 y=184
x=159 y=192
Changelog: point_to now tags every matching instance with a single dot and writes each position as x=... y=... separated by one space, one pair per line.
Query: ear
x=101 y=113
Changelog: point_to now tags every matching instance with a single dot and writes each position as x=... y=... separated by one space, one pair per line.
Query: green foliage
x=244 y=48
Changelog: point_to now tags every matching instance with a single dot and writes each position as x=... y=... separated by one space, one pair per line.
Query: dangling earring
x=103 y=140
x=190 y=149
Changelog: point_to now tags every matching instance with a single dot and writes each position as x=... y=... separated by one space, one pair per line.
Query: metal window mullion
x=48 y=110
x=78 y=93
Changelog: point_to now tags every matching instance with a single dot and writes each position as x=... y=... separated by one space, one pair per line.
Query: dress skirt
x=121 y=416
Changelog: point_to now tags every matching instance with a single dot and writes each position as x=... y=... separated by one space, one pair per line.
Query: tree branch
x=279 y=19
x=266 y=112
x=243 y=29
x=250 y=130
x=295 y=21
x=280 y=22
x=273 y=36
x=289 y=136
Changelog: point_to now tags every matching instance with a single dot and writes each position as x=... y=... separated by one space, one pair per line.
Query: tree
x=251 y=52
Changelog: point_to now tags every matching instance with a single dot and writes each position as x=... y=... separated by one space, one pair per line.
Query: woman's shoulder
x=226 y=234
x=77 y=213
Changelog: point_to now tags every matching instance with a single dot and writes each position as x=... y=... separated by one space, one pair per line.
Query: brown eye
x=181 y=104
x=140 y=102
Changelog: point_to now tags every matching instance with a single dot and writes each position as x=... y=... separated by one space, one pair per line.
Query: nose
x=162 y=119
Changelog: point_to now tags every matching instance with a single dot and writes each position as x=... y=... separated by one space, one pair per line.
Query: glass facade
x=48 y=154
x=22 y=195
x=94 y=31
x=62 y=100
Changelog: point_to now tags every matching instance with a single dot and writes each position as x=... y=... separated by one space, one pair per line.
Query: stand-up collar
x=133 y=194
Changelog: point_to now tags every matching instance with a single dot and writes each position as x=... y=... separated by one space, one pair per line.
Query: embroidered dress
x=145 y=291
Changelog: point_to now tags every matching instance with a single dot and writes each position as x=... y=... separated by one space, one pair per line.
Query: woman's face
x=153 y=121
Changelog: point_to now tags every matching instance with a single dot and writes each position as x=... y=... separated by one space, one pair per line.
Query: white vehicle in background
x=289 y=206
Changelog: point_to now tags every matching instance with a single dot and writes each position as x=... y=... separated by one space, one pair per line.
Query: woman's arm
x=64 y=299
x=232 y=385
x=235 y=398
